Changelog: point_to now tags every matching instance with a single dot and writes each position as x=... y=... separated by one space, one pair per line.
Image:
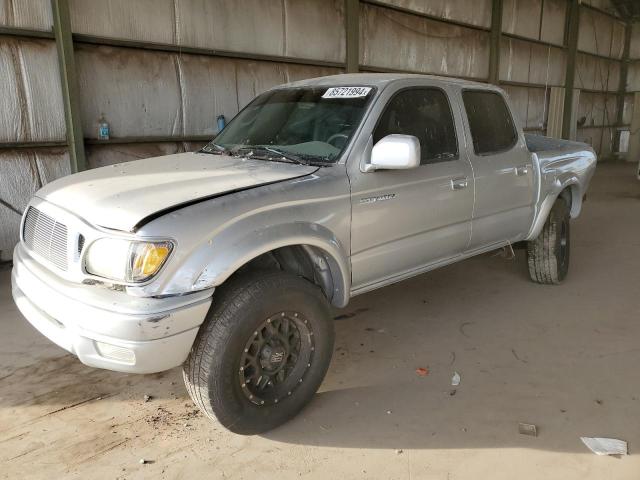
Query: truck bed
x=540 y=144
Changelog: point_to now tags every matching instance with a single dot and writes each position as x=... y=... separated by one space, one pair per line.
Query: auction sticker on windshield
x=346 y=92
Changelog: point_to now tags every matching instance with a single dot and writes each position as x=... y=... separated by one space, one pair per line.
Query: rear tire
x=262 y=352
x=548 y=255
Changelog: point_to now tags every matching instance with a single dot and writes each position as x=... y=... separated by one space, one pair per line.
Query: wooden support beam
x=622 y=86
x=69 y=81
x=496 y=33
x=352 y=33
x=573 y=23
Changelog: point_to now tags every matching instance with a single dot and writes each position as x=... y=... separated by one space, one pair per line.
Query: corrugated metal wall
x=146 y=86
x=598 y=77
x=145 y=93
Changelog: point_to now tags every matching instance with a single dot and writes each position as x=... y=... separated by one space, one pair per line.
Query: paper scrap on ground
x=455 y=380
x=605 y=446
x=528 y=429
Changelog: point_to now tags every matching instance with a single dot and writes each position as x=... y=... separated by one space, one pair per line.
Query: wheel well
x=567 y=195
x=306 y=261
x=571 y=195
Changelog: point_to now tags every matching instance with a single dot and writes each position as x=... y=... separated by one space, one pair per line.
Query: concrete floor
x=564 y=358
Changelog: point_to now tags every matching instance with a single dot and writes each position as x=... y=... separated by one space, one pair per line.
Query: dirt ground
x=563 y=358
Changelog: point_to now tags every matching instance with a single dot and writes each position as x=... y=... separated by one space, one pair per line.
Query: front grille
x=46 y=237
x=80 y=243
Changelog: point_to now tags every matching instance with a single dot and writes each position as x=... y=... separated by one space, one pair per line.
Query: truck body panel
x=359 y=228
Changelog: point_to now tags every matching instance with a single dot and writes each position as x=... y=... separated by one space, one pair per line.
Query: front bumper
x=106 y=328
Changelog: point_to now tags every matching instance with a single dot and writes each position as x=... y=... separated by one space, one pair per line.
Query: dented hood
x=122 y=196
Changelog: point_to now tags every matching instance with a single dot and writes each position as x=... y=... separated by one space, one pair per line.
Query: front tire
x=262 y=351
x=548 y=255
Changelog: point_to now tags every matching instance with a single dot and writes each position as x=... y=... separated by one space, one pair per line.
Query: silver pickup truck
x=227 y=261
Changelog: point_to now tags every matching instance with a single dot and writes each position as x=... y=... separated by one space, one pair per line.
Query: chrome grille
x=46 y=237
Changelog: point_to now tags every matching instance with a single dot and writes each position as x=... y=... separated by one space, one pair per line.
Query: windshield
x=303 y=125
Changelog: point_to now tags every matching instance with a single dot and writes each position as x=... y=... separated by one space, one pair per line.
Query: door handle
x=459 y=183
x=523 y=170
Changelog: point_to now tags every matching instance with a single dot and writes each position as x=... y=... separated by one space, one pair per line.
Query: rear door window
x=492 y=128
x=426 y=114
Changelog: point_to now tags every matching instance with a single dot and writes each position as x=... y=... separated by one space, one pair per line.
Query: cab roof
x=378 y=80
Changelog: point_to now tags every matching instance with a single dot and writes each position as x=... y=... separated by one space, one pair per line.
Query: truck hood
x=122 y=196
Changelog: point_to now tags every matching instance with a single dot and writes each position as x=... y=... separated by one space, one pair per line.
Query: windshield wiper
x=214 y=149
x=291 y=157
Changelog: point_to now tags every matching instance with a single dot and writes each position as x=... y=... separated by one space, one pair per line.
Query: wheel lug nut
x=288 y=393
x=262 y=402
x=246 y=350
x=282 y=314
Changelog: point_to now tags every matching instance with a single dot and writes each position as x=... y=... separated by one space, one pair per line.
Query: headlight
x=126 y=261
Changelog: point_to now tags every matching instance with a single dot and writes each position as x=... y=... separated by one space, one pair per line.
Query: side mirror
x=395 y=152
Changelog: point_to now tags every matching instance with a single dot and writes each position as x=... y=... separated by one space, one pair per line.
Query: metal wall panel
x=530 y=105
x=315 y=29
x=208 y=90
x=617 y=41
x=22 y=173
x=31 y=14
x=547 y=65
x=519 y=98
x=597 y=73
x=597 y=109
x=634 y=50
x=600 y=34
x=633 y=77
x=474 y=12
x=146 y=20
x=217 y=24
x=527 y=62
x=537 y=108
x=536 y=19
x=138 y=91
x=553 y=21
x=627 y=111
x=32 y=108
x=606 y=5
x=392 y=39
x=522 y=17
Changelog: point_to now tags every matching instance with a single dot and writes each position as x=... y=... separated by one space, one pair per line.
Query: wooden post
x=496 y=33
x=69 y=81
x=352 y=34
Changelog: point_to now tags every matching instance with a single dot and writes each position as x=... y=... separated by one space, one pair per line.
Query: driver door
x=404 y=221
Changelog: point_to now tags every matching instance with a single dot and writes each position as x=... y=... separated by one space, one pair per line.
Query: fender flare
x=571 y=183
x=241 y=247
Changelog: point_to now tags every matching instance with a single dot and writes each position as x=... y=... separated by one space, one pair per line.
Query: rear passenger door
x=502 y=169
